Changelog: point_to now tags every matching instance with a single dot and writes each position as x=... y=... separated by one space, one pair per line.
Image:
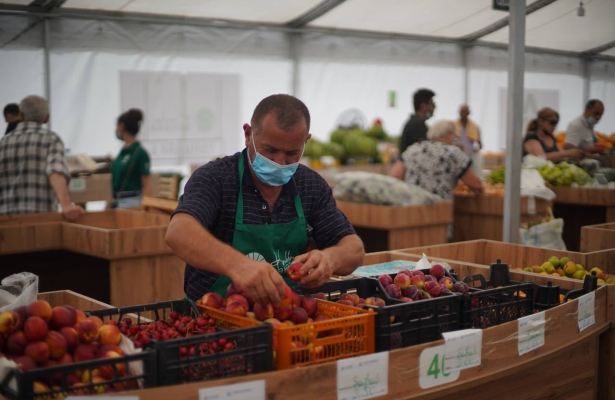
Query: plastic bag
x=533 y=185
x=18 y=290
x=547 y=235
x=534 y=162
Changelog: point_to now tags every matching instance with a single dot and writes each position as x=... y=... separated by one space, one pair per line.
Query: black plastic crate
x=489 y=307
x=59 y=380
x=400 y=324
x=251 y=350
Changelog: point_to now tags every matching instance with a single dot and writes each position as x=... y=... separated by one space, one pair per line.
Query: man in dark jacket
x=11 y=116
x=415 y=129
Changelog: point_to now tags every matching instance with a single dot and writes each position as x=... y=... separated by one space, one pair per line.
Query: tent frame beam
x=314 y=13
x=8 y=9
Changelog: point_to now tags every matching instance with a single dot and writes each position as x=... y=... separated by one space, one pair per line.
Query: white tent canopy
x=333 y=54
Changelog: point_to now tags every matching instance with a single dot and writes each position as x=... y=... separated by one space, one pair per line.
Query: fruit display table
x=598 y=237
x=387 y=227
x=482 y=216
x=486 y=252
x=117 y=256
x=502 y=372
x=582 y=206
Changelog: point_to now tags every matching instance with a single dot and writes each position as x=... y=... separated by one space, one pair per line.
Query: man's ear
x=247 y=133
x=309 y=137
x=46 y=119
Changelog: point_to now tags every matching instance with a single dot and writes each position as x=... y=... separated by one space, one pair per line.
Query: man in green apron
x=245 y=218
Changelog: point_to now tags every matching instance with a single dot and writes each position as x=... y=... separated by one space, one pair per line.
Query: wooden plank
x=585 y=196
x=30 y=237
x=502 y=373
x=597 y=237
x=157 y=204
x=389 y=217
x=70 y=298
x=146 y=279
x=402 y=238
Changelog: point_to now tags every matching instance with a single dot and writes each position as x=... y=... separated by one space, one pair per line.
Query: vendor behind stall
x=539 y=140
x=437 y=164
x=245 y=218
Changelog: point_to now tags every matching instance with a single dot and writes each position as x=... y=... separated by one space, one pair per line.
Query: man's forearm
x=199 y=248
x=58 y=183
x=347 y=255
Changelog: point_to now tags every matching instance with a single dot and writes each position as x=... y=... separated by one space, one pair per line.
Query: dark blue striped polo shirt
x=210 y=196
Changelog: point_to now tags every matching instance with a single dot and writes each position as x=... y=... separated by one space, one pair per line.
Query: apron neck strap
x=239 y=211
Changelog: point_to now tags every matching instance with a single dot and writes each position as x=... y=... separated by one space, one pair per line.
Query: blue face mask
x=270 y=172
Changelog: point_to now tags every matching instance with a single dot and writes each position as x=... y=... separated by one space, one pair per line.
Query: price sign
x=463 y=349
x=253 y=390
x=586 y=312
x=363 y=377
x=432 y=368
x=77 y=185
x=531 y=332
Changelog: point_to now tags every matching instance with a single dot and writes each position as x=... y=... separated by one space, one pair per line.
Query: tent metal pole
x=586 y=79
x=47 y=63
x=294 y=40
x=466 y=74
x=514 y=121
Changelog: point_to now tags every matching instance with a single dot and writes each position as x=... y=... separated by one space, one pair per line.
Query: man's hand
x=72 y=212
x=259 y=281
x=317 y=268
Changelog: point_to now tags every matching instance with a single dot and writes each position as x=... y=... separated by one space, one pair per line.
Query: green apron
x=277 y=244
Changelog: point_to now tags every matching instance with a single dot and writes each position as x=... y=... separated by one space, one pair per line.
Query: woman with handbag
x=130 y=171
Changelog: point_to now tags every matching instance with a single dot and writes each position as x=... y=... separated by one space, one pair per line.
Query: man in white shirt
x=580 y=131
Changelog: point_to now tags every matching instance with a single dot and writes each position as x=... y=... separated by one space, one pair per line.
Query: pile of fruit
x=416 y=285
x=564 y=174
x=496 y=176
x=41 y=336
x=565 y=267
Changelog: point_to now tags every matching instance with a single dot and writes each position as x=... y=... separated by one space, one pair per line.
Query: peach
x=25 y=363
x=406 y=299
x=232 y=289
x=97 y=321
x=238 y=298
x=274 y=322
x=57 y=345
x=9 y=321
x=282 y=311
x=321 y=317
x=263 y=312
x=437 y=271
x=402 y=280
x=345 y=302
x=213 y=300
x=85 y=352
x=320 y=295
x=107 y=371
x=65 y=359
x=236 y=308
x=375 y=301
x=109 y=334
x=385 y=280
x=105 y=348
x=354 y=298
x=310 y=306
x=433 y=288
x=16 y=343
x=80 y=315
x=294 y=271
x=40 y=308
x=35 y=329
x=71 y=336
x=87 y=330
x=299 y=315
x=411 y=292
x=394 y=291
x=418 y=281
x=447 y=282
x=38 y=351
x=40 y=387
x=63 y=316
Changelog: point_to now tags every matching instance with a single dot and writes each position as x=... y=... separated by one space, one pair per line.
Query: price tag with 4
x=363 y=377
x=432 y=368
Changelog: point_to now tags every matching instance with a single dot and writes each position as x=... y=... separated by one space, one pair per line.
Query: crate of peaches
x=50 y=353
x=306 y=330
x=191 y=345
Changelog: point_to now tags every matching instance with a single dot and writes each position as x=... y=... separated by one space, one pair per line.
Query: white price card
x=432 y=365
x=586 y=312
x=363 y=377
x=252 y=390
x=102 y=398
x=463 y=349
x=531 y=332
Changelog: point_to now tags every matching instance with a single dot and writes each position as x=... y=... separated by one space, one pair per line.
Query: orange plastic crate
x=349 y=333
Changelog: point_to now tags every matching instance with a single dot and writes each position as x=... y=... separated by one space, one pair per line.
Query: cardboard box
x=86 y=188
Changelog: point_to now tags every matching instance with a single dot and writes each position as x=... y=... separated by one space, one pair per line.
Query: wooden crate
x=165 y=186
x=70 y=298
x=388 y=227
x=482 y=216
x=598 y=237
x=502 y=373
x=579 y=207
x=155 y=204
x=486 y=252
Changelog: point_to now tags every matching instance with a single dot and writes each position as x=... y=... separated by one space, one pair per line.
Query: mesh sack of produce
x=372 y=188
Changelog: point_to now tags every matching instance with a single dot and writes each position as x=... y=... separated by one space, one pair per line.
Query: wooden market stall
x=482 y=216
x=389 y=227
x=116 y=256
x=598 y=237
x=582 y=206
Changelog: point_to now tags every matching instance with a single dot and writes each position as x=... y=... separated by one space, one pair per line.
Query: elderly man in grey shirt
x=580 y=131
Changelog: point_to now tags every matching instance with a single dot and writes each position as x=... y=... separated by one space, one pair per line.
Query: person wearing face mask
x=130 y=170
x=436 y=165
x=415 y=129
x=245 y=218
x=580 y=131
x=539 y=140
